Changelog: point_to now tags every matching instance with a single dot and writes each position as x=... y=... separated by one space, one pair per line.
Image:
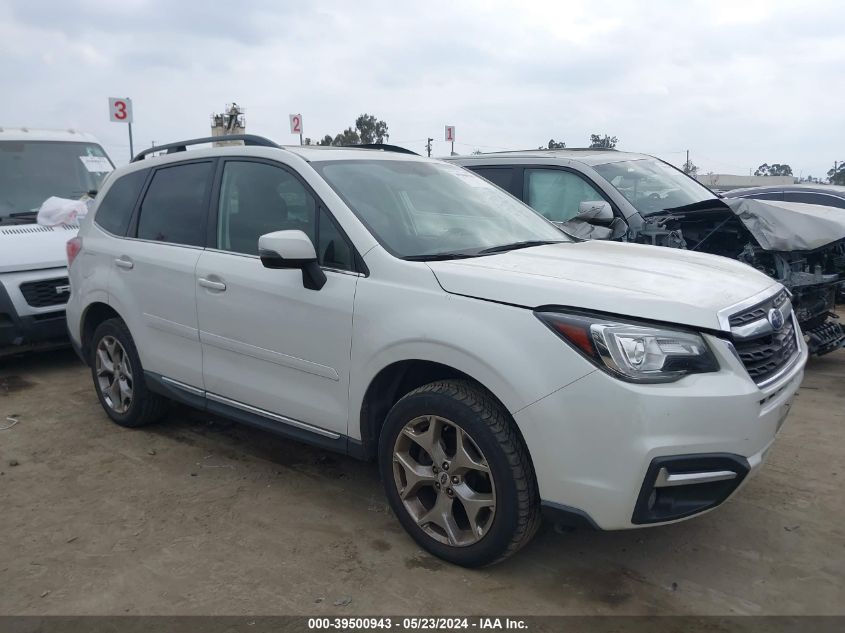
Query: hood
x=789 y=226
x=32 y=246
x=649 y=282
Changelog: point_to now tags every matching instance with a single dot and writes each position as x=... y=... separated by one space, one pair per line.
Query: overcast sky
x=737 y=83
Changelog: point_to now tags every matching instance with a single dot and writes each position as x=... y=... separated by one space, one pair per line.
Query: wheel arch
x=95 y=314
x=394 y=381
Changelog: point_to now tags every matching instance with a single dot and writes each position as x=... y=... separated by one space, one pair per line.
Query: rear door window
x=557 y=194
x=116 y=207
x=499 y=176
x=175 y=206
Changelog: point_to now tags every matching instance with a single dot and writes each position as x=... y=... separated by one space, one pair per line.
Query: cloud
x=738 y=84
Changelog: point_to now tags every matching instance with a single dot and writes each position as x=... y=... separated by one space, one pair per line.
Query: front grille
x=759 y=311
x=48 y=292
x=764 y=356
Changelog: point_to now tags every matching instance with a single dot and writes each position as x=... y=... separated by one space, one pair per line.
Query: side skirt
x=251 y=416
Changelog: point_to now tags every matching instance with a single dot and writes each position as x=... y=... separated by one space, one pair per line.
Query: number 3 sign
x=120 y=109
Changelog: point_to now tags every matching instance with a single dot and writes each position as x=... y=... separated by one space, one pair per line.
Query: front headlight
x=637 y=352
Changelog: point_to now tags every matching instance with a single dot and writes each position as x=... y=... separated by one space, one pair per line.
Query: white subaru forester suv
x=399 y=308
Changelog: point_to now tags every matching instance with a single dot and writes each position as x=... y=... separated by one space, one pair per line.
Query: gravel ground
x=201 y=516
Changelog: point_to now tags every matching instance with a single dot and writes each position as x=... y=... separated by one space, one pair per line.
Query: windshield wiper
x=22 y=217
x=516 y=245
x=435 y=257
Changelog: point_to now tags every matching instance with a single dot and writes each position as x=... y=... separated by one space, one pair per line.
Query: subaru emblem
x=775 y=319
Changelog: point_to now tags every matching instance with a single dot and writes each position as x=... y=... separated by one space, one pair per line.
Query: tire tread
x=497 y=419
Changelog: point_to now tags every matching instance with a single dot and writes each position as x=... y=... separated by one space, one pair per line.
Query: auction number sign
x=120 y=109
x=296 y=124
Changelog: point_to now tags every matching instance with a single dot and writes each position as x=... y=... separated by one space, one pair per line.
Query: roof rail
x=181 y=146
x=384 y=147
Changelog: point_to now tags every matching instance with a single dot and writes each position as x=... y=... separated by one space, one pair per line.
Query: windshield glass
x=32 y=171
x=651 y=185
x=417 y=209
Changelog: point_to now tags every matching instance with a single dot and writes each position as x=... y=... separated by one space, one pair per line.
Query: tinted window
x=116 y=207
x=333 y=250
x=256 y=198
x=557 y=194
x=174 y=208
x=776 y=195
x=501 y=177
x=815 y=198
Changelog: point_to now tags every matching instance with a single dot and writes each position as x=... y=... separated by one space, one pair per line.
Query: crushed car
x=608 y=194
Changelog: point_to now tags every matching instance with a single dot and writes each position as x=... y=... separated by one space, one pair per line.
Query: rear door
x=153 y=283
x=269 y=344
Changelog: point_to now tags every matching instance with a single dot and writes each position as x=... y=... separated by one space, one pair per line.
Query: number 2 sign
x=120 y=109
x=296 y=124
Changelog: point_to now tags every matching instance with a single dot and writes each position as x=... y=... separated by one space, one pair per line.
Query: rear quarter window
x=116 y=207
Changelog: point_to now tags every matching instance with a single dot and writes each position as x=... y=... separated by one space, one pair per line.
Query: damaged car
x=608 y=194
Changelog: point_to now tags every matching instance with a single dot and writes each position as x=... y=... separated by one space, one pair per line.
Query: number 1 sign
x=450 y=133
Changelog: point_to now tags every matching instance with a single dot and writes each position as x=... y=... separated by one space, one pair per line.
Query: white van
x=34 y=165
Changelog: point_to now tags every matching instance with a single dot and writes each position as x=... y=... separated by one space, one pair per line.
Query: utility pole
x=428 y=147
x=686 y=164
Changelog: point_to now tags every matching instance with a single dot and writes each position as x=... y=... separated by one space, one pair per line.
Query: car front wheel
x=457 y=474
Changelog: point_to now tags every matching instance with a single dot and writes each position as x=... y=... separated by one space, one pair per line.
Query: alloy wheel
x=444 y=481
x=114 y=374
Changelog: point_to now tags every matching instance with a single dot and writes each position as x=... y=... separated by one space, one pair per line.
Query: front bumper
x=598 y=444
x=38 y=329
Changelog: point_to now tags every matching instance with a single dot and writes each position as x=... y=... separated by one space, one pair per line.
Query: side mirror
x=595 y=212
x=292 y=249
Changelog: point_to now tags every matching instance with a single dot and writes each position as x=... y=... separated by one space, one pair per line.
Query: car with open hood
x=34 y=166
x=403 y=309
x=624 y=196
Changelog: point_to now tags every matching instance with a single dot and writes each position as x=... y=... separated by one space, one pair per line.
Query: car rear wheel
x=457 y=474
x=119 y=377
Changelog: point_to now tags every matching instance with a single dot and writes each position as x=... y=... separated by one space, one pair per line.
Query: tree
x=689 y=168
x=307 y=141
x=370 y=129
x=602 y=142
x=775 y=169
x=347 y=137
x=476 y=151
x=367 y=129
x=553 y=144
x=836 y=176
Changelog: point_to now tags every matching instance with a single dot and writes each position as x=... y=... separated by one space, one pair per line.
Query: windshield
x=651 y=185
x=418 y=209
x=32 y=171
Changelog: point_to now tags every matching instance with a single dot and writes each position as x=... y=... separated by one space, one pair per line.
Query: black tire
x=146 y=407
x=475 y=411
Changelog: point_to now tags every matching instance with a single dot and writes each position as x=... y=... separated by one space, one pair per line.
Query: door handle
x=211 y=284
x=124 y=262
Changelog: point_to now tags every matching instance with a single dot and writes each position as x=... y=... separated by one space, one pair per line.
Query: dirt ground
x=195 y=516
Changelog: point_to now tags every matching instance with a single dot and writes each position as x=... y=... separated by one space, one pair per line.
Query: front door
x=268 y=342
